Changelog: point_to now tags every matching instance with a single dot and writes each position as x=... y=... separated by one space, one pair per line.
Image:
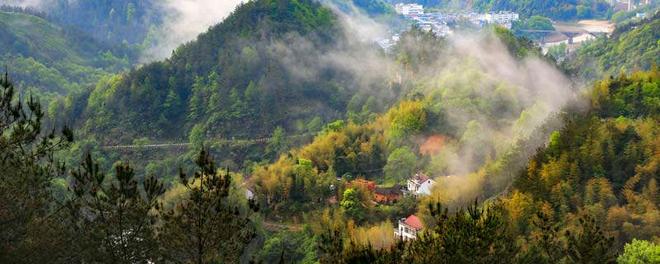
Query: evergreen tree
x=28 y=232
x=204 y=227
x=114 y=222
x=590 y=244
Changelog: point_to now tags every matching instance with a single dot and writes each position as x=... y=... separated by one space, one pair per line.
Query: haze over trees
x=285 y=134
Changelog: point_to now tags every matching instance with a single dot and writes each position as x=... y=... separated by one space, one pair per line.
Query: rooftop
x=414 y=222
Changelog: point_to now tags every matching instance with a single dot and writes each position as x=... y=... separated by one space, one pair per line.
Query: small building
x=249 y=194
x=409 y=9
x=386 y=195
x=408 y=227
x=420 y=185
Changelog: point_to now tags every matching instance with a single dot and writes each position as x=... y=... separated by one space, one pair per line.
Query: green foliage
x=52 y=59
x=116 y=22
x=400 y=165
x=562 y=9
x=113 y=222
x=472 y=235
x=638 y=252
x=532 y=23
x=278 y=143
x=204 y=226
x=590 y=244
x=520 y=48
x=29 y=232
x=230 y=80
x=406 y=119
x=352 y=204
x=631 y=47
x=601 y=165
x=289 y=247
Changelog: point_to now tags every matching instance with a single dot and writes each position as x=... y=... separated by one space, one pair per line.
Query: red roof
x=421 y=177
x=414 y=222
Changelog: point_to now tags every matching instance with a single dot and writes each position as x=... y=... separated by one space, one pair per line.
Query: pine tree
x=115 y=222
x=28 y=232
x=204 y=227
x=590 y=244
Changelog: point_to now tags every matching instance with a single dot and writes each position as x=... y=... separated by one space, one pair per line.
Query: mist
x=493 y=145
x=25 y=3
x=471 y=68
x=184 y=21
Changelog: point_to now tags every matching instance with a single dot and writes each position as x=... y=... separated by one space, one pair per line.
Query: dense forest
x=115 y=22
x=633 y=46
x=48 y=58
x=572 y=202
x=238 y=80
x=560 y=10
x=286 y=134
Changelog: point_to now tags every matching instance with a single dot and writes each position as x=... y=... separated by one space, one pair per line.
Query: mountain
x=116 y=22
x=48 y=58
x=560 y=9
x=259 y=69
x=591 y=190
x=632 y=46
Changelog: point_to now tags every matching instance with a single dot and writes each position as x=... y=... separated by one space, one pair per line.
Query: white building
x=408 y=227
x=409 y=9
x=420 y=185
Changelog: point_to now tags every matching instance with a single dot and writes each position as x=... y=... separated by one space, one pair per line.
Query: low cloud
x=25 y=3
x=184 y=21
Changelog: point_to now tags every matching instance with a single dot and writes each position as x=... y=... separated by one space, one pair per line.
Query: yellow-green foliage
x=604 y=164
x=406 y=119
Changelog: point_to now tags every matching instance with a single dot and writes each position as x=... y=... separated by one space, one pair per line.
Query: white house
x=249 y=194
x=420 y=185
x=409 y=9
x=408 y=227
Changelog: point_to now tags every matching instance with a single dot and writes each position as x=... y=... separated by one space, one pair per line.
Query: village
x=441 y=23
x=566 y=36
x=444 y=24
x=417 y=186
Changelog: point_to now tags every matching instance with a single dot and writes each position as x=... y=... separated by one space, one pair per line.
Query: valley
x=305 y=131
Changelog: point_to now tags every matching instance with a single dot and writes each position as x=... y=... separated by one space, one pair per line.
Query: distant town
x=444 y=23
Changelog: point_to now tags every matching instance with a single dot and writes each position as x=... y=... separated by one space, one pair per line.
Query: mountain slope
x=115 y=22
x=52 y=59
x=258 y=69
x=631 y=47
x=561 y=9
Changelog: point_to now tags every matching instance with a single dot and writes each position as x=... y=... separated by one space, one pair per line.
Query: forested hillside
x=591 y=190
x=560 y=10
x=324 y=131
x=436 y=128
x=47 y=58
x=238 y=80
x=116 y=22
x=633 y=46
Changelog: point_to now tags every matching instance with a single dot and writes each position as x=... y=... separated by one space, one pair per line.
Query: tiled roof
x=414 y=222
x=394 y=190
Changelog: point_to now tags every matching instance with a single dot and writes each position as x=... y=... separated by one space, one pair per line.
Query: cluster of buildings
x=419 y=185
x=441 y=23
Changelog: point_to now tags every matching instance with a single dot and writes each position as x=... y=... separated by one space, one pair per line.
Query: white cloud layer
x=187 y=19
